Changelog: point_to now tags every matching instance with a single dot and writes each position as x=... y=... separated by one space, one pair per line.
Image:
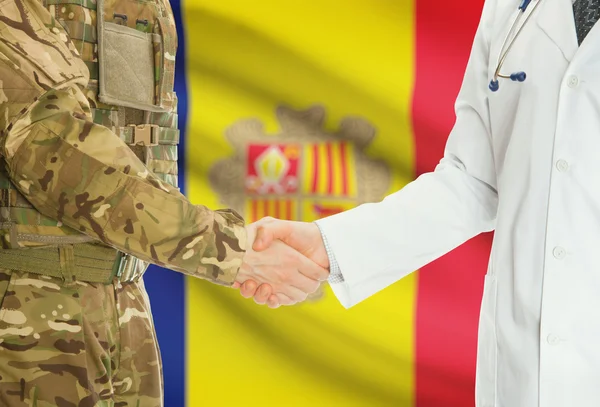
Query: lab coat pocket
x=485 y=383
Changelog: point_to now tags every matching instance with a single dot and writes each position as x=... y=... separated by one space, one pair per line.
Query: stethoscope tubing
x=505 y=50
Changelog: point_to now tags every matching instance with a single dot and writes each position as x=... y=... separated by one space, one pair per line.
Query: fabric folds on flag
x=300 y=110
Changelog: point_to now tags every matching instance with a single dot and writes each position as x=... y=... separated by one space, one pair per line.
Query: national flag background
x=398 y=64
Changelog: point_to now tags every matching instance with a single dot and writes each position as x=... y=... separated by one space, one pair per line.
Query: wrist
x=324 y=248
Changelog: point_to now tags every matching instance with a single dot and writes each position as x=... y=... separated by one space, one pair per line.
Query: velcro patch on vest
x=126 y=67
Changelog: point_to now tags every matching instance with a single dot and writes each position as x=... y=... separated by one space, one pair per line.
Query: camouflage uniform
x=88 y=197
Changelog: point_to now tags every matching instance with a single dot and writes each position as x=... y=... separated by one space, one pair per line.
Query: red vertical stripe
x=449 y=293
x=330 y=169
x=278 y=204
x=265 y=207
x=315 y=169
x=254 y=211
x=344 y=165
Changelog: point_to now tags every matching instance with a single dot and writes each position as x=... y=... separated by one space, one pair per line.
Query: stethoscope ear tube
x=518 y=76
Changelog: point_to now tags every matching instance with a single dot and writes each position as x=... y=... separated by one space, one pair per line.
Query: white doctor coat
x=524 y=161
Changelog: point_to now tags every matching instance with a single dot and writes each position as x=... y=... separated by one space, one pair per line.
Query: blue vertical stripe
x=167 y=288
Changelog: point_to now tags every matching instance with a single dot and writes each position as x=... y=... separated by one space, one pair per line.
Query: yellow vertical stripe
x=307 y=169
x=264 y=206
x=248 y=210
x=294 y=211
x=284 y=209
x=260 y=208
x=308 y=214
x=244 y=59
x=323 y=168
x=337 y=169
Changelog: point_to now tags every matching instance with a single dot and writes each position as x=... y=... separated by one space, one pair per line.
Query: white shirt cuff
x=335 y=273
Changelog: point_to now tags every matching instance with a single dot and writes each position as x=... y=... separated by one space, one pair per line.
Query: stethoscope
x=516 y=76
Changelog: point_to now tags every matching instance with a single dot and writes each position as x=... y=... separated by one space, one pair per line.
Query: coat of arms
x=303 y=173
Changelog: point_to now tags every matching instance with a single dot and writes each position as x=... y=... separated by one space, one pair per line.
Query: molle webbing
x=162 y=135
x=84 y=262
x=154 y=133
x=89 y=4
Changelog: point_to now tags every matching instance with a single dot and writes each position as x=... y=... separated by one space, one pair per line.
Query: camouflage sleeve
x=82 y=174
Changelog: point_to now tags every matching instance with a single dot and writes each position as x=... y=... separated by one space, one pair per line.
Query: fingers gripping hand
x=285 y=270
x=303 y=236
x=263 y=294
x=288 y=273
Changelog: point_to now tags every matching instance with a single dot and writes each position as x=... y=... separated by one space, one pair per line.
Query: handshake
x=285 y=262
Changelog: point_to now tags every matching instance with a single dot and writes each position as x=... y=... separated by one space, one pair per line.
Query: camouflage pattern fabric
x=80 y=345
x=69 y=176
x=80 y=173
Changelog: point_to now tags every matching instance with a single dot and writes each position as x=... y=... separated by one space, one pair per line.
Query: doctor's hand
x=285 y=273
x=302 y=236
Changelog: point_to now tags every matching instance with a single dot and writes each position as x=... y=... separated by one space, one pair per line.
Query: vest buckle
x=144 y=134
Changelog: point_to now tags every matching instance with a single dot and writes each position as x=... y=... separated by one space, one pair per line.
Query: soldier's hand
x=286 y=275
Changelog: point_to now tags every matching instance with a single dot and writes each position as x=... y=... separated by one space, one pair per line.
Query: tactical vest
x=129 y=48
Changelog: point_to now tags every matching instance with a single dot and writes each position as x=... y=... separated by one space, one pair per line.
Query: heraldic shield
x=302 y=173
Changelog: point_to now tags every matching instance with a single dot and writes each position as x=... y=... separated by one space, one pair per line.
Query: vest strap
x=148 y=135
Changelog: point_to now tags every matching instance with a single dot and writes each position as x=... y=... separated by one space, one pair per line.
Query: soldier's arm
x=82 y=174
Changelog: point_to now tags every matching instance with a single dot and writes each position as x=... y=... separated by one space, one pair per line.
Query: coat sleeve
x=82 y=174
x=377 y=244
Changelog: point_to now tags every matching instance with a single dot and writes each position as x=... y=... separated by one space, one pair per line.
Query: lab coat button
x=573 y=81
x=559 y=253
x=553 y=339
x=562 y=165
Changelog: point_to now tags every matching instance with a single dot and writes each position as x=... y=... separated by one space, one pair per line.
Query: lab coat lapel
x=556 y=20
